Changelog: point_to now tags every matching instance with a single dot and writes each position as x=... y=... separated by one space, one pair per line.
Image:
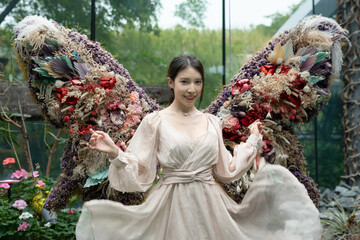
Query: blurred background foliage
x=129 y=30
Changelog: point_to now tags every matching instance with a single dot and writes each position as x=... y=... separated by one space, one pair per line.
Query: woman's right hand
x=101 y=141
x=256 y=128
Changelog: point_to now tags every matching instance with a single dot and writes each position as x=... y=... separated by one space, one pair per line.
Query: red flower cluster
x=7 y=161
x=298 y=84
x=77 y=83
x=89 y=88
x=258 y=112
x=86 y=129
x=114 y=105
x=107 y=82
x=62 y=92
x=270 y=69
x=241 y=86
x=291 y=98
x=230 y=134
x=267 y=145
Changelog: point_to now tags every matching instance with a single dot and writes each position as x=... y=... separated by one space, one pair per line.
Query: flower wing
x=79 y=86
x=289 y=82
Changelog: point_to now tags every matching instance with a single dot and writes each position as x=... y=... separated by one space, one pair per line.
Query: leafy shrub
x=341 y=225
x=20 y=216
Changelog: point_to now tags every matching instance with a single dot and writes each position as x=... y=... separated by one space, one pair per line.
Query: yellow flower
x=38 y=202
x=277 y=55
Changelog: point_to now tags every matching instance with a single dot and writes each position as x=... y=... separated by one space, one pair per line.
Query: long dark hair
x=181 y=62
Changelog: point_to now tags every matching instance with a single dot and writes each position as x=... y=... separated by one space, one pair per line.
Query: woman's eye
x=198 y=82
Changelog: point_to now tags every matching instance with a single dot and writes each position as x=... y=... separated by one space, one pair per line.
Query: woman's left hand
x=256 y=128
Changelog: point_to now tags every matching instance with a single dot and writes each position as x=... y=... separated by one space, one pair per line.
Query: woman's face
x=187 y=87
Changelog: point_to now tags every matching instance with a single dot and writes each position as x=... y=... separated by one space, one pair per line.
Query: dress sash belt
x=203 y=174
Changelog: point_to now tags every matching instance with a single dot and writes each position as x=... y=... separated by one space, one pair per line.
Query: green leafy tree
x=192 y=12
x=110 y=14
x=278 y=19
x=148 y=63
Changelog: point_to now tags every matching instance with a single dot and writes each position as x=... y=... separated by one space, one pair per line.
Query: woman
x=187 y=203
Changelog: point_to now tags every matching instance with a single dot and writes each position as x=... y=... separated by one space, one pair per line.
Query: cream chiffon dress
x=187 y=203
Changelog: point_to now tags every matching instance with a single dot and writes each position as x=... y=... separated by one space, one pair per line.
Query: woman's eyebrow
x=184 y=78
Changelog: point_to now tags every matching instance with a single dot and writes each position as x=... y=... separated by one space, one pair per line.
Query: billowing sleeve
x=230 y=168
x=135 y=169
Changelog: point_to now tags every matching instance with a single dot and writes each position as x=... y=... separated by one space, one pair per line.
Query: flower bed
x=20 y=216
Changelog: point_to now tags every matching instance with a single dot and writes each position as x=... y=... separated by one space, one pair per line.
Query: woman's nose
x=191 y=88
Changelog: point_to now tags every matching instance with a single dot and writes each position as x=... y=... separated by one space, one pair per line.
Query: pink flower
x=240 y=86
x=131 y=120
x=40 y=183
x=267 y=146
x=231 y=123
x=5 y=185
x=8 y=161
x=18 y=174
x=24 y=173
x=23 y=226
x=35 y=173
x=134 y=96
x=20 y=204
x=135 y=109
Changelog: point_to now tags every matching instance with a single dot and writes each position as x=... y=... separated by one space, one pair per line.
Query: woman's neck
x=185 y=110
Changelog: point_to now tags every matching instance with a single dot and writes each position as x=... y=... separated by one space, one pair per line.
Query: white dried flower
x=145 y=105
x=223 y=113
x=59 y=84
x=252 y=176
x=238 y=189
x=306 y=89
x=288 y=91
x=25 y=215
x=304 y=74
x=80 y=114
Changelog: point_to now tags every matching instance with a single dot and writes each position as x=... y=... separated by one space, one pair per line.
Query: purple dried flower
x=310 y=185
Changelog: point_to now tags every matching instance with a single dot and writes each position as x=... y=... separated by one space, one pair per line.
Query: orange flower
x=268 y=69
x=8 y=161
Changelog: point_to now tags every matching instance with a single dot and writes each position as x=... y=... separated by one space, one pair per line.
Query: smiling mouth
x=190 y=98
